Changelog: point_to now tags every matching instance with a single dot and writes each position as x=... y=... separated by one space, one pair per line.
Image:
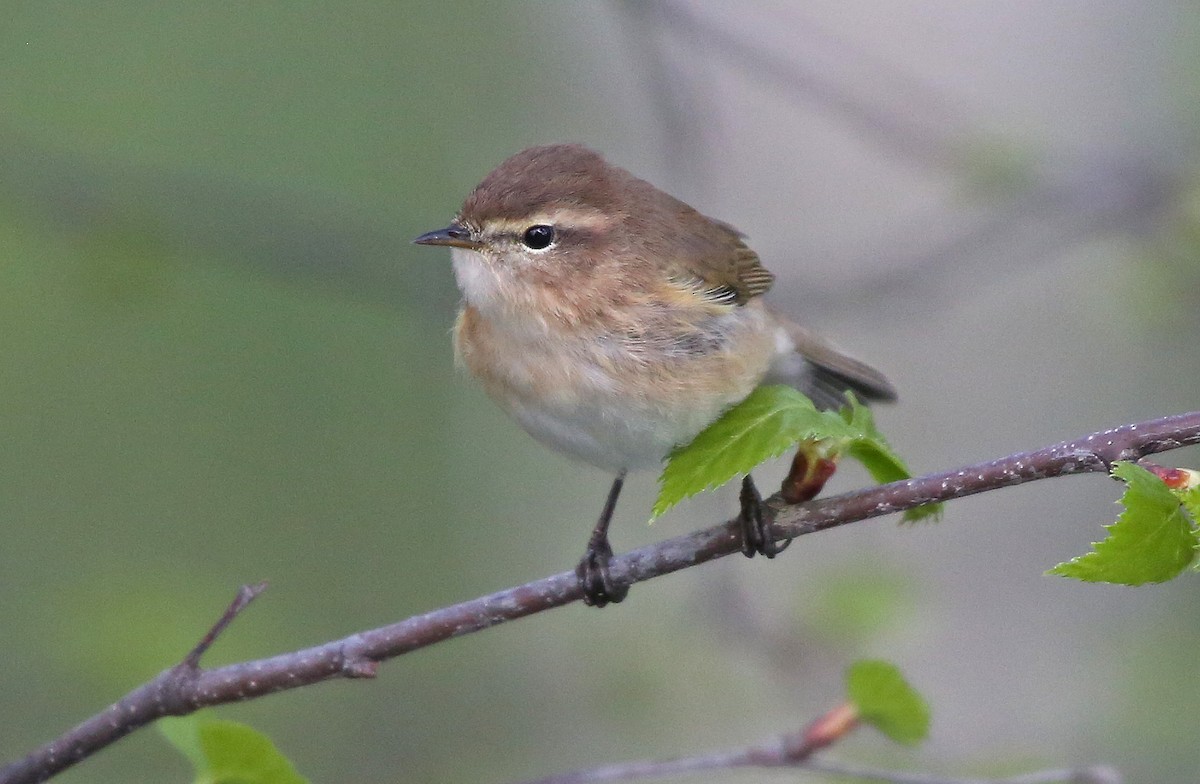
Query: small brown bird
x=615 y=322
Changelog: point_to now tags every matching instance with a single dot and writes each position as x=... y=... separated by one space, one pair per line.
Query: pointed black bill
x=454 y=236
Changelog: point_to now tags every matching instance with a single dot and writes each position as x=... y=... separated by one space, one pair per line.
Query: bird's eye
x=538 y=237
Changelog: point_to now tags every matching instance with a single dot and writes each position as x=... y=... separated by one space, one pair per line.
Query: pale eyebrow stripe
x=566 y=217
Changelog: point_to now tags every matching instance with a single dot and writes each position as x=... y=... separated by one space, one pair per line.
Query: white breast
x=608 y=400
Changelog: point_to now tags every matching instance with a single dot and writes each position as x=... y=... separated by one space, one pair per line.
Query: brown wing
x=719 y=257
x=702 y=254
x=707 y=255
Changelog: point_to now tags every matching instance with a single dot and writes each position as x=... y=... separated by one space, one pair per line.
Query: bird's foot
x=594 y=579
x=756 y=528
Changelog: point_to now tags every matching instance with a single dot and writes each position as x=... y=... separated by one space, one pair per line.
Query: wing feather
x=718 y=255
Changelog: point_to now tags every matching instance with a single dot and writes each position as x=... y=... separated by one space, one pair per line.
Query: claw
x=756 y=529
x=592 y=571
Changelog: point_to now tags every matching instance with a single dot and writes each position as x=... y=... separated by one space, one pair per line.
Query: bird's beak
x=454 y=235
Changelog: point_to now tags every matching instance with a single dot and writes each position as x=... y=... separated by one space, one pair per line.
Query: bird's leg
x=756 y=529
x=592 y=571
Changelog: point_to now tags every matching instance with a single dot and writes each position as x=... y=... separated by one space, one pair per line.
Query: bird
x=614 y=322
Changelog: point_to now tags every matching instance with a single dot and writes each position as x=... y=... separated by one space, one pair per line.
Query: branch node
x=245 y=595
x=358 y=667
x=826 y=730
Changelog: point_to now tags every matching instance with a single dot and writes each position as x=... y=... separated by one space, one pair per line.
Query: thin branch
x=245 y=595
x=796 y=750
x=184 y=689
x=1093 y=774
x=759 y=757
x=789 y=750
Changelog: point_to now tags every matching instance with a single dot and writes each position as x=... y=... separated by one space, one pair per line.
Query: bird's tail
x=820 y=371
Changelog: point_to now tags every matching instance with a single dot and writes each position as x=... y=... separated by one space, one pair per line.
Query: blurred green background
x=221 y=361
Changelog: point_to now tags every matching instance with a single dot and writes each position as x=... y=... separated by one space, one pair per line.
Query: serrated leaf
x=1191 y=504
x=228 y=752
x=771 y=420
x=1152 y=540
x=887 y=702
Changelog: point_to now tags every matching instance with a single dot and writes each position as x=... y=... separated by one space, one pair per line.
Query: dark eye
x=538 y=237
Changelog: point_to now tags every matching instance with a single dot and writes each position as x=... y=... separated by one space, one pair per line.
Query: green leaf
x=885 y=701
x=1152 y=540
x=227 y=752
x=183 y=732
x=1191 y=503
x=876 y=455
x=766 y=424
x=772 y=420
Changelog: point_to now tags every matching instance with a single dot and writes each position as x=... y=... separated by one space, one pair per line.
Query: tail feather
x=823 y=373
